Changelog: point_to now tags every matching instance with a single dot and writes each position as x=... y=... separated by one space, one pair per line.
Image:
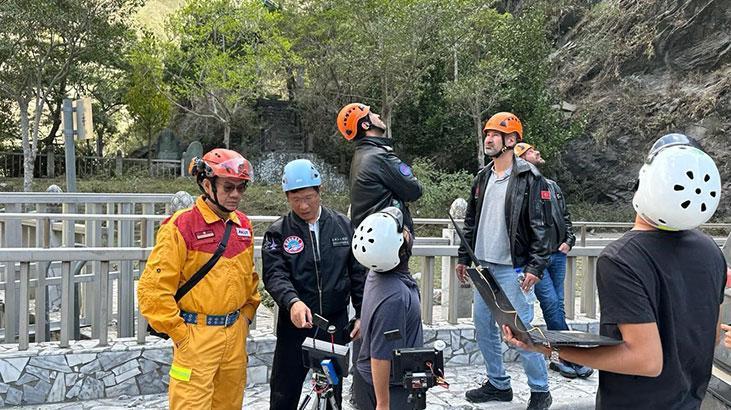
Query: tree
x=40 y=44
x=377 y=53
x=482 y=73
x=145 y=97
x=224 y=55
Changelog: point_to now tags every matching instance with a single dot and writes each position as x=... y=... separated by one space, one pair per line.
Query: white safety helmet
x=679 y=185
x=378 y=238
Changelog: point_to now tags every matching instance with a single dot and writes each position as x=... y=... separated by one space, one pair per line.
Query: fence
x=100 y=253
x=11 y=166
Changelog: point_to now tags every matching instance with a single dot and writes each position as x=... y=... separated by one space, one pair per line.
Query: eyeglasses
x=229 y=188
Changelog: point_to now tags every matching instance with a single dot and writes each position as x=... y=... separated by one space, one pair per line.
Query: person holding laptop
x=660 y=288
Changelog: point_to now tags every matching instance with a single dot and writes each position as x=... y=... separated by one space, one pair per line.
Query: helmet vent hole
x=698 y=191
x=703 y=207
x=661 y=221
x=706 y=178
x=361 y=227
x=372 y=240
x=363 y=249
x=713 y=194
x=361 y=238
x=689 y=174
x=369 y=230
x=679 y=187
x=685 y=204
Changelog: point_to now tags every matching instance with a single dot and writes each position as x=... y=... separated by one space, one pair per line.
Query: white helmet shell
x=377 y=240
x=679 y=188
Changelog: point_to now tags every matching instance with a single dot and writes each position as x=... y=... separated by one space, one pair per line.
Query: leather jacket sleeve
x=569 y=237
x=469 y=226
x=539 y=213
x=399 y=178
x=358 y=275
x=275 y=273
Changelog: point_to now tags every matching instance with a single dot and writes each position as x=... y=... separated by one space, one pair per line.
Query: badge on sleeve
x=405 y=170
x=546 y=195
x=293 y=244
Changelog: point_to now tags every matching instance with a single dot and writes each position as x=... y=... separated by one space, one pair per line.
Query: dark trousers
x=288 y=371
x=365 y=395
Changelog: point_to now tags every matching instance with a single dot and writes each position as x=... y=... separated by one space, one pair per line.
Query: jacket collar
x=324 y=215
x=210 y=216
x=519 y=166
x=382 y=142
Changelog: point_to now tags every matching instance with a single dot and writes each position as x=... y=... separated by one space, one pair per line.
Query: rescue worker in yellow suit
x=209 y=325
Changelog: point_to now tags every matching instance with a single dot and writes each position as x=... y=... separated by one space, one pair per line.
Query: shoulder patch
x=293 y=245
x=405 y=170
x=546 y=195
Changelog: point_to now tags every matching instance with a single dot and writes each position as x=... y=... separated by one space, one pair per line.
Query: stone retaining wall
x=47 y=373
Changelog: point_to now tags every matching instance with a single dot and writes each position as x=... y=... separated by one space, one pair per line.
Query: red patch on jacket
x=546 y=195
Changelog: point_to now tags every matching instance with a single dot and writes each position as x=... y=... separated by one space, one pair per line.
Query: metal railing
x=23 y=266
x=11 y=166
x=105 y=249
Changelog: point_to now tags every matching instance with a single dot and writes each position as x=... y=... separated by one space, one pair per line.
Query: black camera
x=329 y=363
x=324 y=357
x=419 y=369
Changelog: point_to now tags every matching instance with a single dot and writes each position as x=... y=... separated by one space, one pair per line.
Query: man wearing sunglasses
x=507 y=222
x=660 y=288
x=308 y=268
x=210 y=323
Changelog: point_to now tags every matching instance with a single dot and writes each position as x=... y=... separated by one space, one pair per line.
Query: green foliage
x=224 y=55
x=145 y=98
x=440 y=189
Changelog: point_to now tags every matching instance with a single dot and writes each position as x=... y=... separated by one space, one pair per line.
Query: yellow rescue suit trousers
x=209 y=368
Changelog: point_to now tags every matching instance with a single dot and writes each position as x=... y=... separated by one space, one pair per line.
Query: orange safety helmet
x=521 y=148
x=348 y=119
x=506 y=123
x=221 y=162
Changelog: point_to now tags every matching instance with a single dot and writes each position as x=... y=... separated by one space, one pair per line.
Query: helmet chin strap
x=214 y=199
x=502 y=150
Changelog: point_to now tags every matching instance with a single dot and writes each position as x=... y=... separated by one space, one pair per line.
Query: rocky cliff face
x=636 y=70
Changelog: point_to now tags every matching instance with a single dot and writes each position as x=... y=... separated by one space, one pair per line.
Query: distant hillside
x=636 y=71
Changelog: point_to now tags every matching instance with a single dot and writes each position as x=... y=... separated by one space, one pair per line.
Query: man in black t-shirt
x=660 y=288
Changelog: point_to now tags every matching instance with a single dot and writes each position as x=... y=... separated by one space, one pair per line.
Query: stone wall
x=46 y=373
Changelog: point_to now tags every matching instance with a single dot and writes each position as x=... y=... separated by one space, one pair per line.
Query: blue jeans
x=549 y=292
x=489 y=336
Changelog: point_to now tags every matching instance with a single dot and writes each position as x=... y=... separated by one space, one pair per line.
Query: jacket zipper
x=315 y=254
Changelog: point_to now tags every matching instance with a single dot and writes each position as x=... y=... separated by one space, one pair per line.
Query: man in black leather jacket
x=378 y=178
x=549 y=290
x=308 y=268
x=507 y=222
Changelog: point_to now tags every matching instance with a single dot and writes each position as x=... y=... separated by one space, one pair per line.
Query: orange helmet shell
x=224 y=163
x=348 y=118
x=521 y=148
x=506 y=123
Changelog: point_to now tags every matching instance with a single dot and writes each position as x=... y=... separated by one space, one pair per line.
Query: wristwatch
x=554 y=358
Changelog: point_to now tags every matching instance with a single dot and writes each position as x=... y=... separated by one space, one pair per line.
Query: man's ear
x=365 y=125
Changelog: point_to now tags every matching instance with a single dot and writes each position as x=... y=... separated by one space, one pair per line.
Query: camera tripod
x=324 y=393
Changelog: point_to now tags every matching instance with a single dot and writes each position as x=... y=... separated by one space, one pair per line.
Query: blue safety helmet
x=298 y=174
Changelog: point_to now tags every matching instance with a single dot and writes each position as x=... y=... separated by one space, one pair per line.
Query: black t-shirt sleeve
x=389 y=315
x=723 y=280
x=624 y=297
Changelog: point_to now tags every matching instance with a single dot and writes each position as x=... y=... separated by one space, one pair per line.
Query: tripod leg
x=306 y=400
x=333 y=402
